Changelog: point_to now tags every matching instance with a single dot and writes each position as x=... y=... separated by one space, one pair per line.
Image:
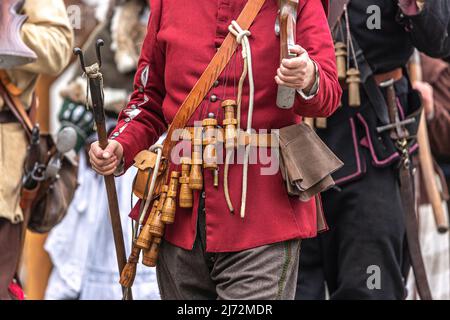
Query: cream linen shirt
x=48 y=33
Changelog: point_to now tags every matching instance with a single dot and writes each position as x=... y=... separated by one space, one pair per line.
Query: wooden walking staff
x=425 y=157
x=95 y=79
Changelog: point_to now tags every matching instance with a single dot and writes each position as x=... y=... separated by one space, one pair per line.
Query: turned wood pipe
x=170 y=203
x=13 y=51
x=186 y=199
x=209 y=142
x=96 y=89
x=145 y=237
x=426 y=158
x=196 y=175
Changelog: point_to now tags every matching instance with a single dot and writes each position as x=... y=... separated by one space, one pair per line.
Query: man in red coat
x=209 y=253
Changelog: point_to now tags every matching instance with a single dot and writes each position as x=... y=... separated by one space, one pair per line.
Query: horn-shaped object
x=13 y=51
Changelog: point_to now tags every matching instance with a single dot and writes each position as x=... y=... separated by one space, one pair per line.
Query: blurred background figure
x=435 y=91
x=84 y=17
x=48 y=35
x=82 y=247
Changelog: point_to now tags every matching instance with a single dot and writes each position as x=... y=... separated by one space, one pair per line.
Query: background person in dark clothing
x=365 y=212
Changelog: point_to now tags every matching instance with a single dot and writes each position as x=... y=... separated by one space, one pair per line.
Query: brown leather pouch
x=145 y=163
x=306 y=162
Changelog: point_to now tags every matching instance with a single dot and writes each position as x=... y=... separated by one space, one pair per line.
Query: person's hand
x=411 y=7
x=298 y=73
x=105 y=162
x=426 y=90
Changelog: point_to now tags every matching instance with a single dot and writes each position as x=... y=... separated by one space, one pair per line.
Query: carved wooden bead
x=321 y=123
x=145 y=237
x=170 y=206
x=186 y=198
x=209 y=141
x=156 y=225
x=353 y=81
x=150 y=257
x=196 y=175
x=341 y=60
x=229 y=122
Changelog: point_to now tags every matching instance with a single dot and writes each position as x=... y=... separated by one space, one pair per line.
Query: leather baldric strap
x=17 y=108
x=336 y=9
x=9 y=85
x=211 y=74
x=396 y=75
x=412 y=234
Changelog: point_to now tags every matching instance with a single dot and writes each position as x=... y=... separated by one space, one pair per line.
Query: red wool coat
x=182 y=39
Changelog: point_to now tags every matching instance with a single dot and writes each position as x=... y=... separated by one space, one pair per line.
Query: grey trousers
x=264 y=273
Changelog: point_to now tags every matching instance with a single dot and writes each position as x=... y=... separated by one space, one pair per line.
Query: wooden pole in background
x=426 y=158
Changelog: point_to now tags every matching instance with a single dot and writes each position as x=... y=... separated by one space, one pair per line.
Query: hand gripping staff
x=95 y=80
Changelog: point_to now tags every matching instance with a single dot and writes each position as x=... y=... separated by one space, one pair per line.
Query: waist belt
x=396 y=75
x=6 y=116
x=263 y=140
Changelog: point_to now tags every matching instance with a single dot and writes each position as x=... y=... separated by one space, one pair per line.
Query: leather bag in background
x=48 y=202
x=53 y=196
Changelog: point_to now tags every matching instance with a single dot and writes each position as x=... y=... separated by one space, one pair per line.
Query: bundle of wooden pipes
x=181 y=184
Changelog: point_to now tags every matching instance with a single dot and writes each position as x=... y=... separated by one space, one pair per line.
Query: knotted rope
x=242 y=39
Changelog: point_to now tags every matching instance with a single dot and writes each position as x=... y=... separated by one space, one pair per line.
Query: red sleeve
x=314 y=36
x=142 y=122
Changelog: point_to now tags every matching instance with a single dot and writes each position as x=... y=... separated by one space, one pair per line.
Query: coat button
x=213 y=98
x=216 y=83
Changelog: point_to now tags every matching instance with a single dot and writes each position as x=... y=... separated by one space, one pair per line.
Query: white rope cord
x=148 y=198
x=226 y=190
x=230 y=152
x=239 y=97
x=242 y=39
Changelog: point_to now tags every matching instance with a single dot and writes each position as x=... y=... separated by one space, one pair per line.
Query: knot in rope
x=238 y=32
x=93 y=72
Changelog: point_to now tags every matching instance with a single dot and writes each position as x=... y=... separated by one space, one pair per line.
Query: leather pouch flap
x=145 y=160
x=307 y=162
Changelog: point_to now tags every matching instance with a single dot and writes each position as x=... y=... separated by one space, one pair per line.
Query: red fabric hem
x=248 y=246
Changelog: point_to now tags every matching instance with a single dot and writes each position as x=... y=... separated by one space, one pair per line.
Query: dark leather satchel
x=49 y=201
x=45 y=198
x=306 y=162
